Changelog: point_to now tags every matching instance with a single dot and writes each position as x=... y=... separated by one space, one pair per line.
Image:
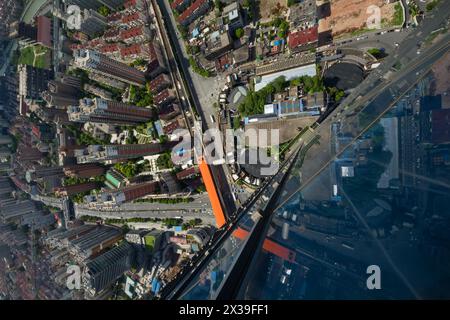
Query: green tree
x=236 y=122
x=198 y=69
x=280 y=84
x=192 y=49
x=129 y=169
x=431 y=5
x=163 y=139
x=165 y=161
x=283 y=29
x=104 y=11
x=218 y=5
x=254 y=101
x=141 y=97
x=184 y=32
x=377 y=53
x=276 y=22
x=239 y=33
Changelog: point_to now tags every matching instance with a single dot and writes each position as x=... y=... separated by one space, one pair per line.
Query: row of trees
x=131 y=220
x=70 y=181
x=172 y=222
x=79 y=197
x=192 y=224
x=86 y=139
x=218 y=5
x=282 y=25
x=335 y=94
x=168 y=222
x=184 y=31
x=192 y=49
x=198 y=69
x=255 y=101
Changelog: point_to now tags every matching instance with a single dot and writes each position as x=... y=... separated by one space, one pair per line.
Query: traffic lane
x=207 y=89
x=372 y=83
x=381 y=104
x=200 y=90
x=406 y=50
x=385 y=41
x=219 y=175
x=224 y=189
x=200 y=203
x=171 y=60
x=388 y=94
x=208 y=216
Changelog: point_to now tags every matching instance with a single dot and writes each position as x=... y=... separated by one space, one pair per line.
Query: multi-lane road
x=407 y=50
x=376 y=90
x=379 y=92
x=203 y=94
x=375 y=96
x=147 y=214
x=199 y=208
x=205 y=90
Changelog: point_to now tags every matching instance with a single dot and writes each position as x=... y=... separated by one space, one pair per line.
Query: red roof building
x=114 y=18
x=179 y=5
x=169 y=111
x=133 y=18
x=164 y=97
x=140 y=190
x=188 y=173
x=156 y=63
x=172 y=126
x=44 y=31
x=303 y=38
x=160 y=83
x=112 y=34
x=131 y=52
x=134 y=5
x=196 y=9
x=129 y=4
x=84 y=170
x=135 y=34
x=109 y=48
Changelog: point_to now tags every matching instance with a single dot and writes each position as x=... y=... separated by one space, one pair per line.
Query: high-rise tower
x=106 y=111
x=98 y=63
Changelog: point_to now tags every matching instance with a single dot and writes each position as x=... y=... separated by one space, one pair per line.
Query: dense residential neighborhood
x=337 y=159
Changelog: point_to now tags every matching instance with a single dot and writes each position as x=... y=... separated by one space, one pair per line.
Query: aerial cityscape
x=224 y=150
